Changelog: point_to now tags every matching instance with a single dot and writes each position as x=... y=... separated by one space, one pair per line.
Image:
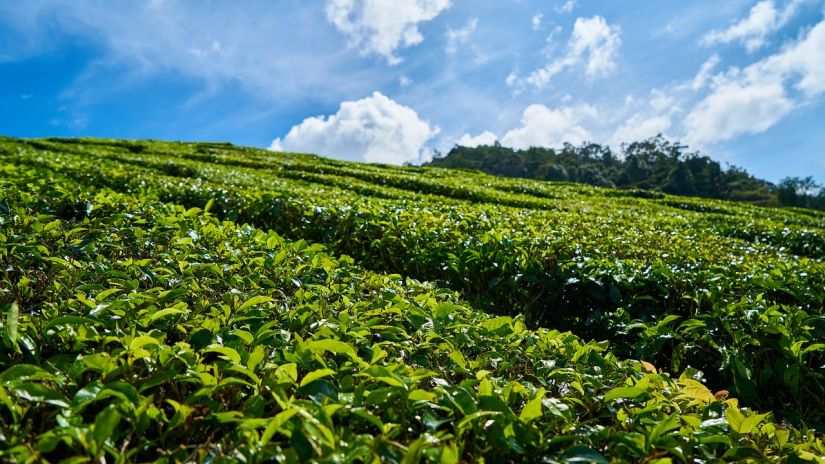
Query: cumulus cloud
x=734 y=109
x=375 y=129
x=639 y=127
x=753 y=99
x=550 y=127
x=763 y=19
x=647 y=122
x=484 y=138
x=599 y=41
x=593 y=42
x=456 y=37
x=381 y=27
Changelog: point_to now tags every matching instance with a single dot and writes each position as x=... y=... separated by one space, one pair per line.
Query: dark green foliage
x=653 y=164
x=802 y=193
x=168 y=302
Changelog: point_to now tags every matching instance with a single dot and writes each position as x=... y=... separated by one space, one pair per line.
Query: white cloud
x=804 y=59
x=375 y=129
x=662 y=102
x=511 y=79
x=566 y=7
x=599 y=41
x=381 y=27
x=702 y=76
x=763 y=19
x=593 y=41
x=734 y=109
x=753 y=99
x=456 y=37
x=258 y=48
x=484 y=138
x=639 y=127
x=545 y=127
x=536 y=21
x=647 y=122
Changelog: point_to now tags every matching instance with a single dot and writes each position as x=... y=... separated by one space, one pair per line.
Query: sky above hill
x=392 y=80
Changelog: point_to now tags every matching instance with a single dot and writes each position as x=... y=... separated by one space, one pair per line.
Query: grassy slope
x=734 y=290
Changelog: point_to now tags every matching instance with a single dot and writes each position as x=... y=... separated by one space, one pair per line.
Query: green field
x=200 y=301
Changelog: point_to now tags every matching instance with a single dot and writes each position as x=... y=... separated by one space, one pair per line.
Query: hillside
x=194 y=301
x=653 y=164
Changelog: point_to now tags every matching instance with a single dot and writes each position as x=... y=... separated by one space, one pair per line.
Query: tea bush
x=174 y=301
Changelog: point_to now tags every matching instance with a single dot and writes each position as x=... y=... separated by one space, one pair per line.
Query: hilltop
x=204 y=301
x=655 y=164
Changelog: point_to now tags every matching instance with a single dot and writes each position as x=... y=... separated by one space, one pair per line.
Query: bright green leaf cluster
x=143 y=320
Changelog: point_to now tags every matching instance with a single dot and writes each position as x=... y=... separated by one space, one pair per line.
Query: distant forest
x=653 y=164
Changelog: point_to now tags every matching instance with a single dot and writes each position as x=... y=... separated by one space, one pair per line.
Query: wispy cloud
x=457 y=37
x=704 y=73
x=593 y=43
x=219 y=47
x=753 y=99
x=763 y=19
x=381 y=27
x=566 y=7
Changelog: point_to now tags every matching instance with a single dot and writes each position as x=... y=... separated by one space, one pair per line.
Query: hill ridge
x=655 y=164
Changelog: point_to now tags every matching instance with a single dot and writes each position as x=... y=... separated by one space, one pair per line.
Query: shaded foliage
x=652 y=164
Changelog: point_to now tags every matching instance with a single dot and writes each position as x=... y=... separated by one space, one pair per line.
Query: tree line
x=653 y=164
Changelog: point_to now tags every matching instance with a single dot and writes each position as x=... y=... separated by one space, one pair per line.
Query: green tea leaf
x=105 y=426
x=334 y=346
x=315 y=375
x=26 y=373
x=498 y=325
x=420 y=395
x=255 y=300
x=164 y=313
x=275 y=424
x=12 y=312
x=533 y=409
x=624 y=392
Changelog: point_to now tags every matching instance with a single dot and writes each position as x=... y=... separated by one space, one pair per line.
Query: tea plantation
x=174 y=302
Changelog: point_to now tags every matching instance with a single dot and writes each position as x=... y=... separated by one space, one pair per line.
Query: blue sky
x=391 y=80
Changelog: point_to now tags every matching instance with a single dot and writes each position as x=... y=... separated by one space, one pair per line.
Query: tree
x=636 y=171
x=552 y=171
x=654 y=164
x=798 y=191
x=680 y=181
